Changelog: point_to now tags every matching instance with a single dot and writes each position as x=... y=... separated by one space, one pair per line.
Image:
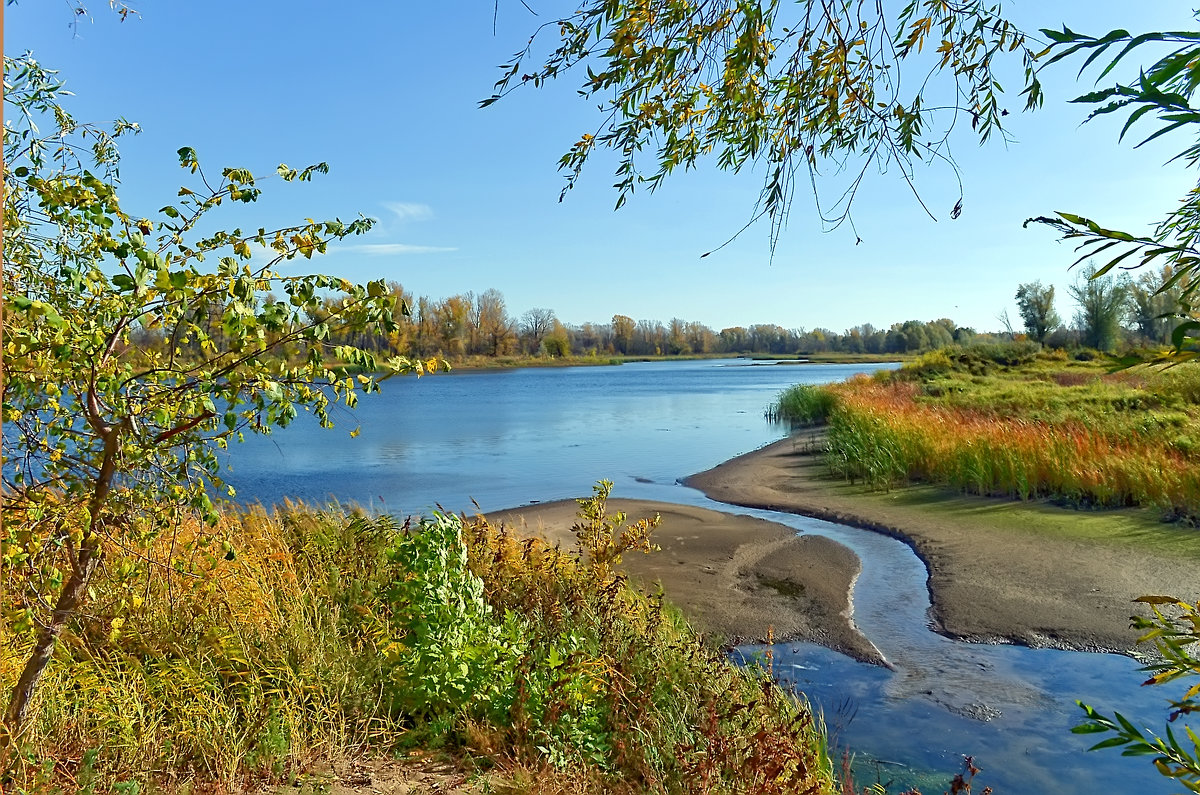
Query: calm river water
x=508 y=438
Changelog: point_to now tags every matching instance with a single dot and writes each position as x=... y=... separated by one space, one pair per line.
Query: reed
x=803 y=404
x=885 y=434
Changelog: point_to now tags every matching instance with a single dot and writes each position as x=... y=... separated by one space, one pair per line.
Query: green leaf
x=1181 y=333
x=1090 y=728
x=188 y=158
x=1111 y=742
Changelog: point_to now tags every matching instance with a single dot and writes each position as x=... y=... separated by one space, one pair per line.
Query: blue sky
x=467 y=199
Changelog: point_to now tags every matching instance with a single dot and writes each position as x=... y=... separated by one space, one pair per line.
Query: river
x=501 y=439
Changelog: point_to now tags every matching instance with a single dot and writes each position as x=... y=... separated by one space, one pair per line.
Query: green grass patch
x=1136 y=529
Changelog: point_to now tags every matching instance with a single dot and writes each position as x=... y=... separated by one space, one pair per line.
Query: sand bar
x=999 y=571
x=732 y=576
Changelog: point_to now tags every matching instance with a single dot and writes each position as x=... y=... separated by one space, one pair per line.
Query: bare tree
x=535 y=325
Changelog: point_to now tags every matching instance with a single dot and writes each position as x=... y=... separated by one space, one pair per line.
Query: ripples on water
x=506 y=438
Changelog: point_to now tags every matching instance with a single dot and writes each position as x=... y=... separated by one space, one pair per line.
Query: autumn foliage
x=262 y=648
x=1073 y=433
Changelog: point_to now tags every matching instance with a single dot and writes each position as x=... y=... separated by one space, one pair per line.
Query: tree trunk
x=73 y=590
x=68 y=602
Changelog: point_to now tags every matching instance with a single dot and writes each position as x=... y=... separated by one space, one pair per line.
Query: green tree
x=557 y=341
x=110 y=440
x=1102 y=303
x=1163 y=91
x=1036 y=305
x=1154 y=303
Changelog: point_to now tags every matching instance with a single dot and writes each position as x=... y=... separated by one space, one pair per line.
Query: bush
x=1005 y=354
x=931 y=364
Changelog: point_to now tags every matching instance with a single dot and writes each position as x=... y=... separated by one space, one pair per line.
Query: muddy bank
x=1032 y=574
x=732 y=576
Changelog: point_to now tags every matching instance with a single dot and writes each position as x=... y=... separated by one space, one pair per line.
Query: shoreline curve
x=998 y=571
x=736 y=577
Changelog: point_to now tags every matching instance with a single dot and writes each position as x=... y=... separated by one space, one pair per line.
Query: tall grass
x=883 y=434
x=303 y=636
x=803 y=404
x=249 y=658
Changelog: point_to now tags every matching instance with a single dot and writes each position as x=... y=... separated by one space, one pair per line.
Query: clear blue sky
x=468 y=199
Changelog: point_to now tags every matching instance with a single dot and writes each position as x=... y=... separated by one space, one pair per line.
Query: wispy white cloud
x=410 y=211
x=385 y=249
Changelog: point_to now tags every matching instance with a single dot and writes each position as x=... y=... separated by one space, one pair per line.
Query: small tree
x=118 y=392
x=557 y=342
x=1154 y=300
x=1103 y=303
x=1036 y=305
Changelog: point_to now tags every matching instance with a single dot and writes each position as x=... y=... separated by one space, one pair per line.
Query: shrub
x=1005 y=354
x=931 y=364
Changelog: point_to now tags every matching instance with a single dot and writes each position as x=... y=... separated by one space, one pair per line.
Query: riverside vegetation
x=1011 y=421
x=328 y=635
x=128 y=483
x=153 y=639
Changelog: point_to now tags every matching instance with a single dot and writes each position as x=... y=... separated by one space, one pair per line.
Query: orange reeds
x=882 y=435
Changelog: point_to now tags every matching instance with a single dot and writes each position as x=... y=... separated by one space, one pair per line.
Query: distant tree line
x=1111 y=311
x=480 y=325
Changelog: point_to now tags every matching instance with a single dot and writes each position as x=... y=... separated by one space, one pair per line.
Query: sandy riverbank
x=1028 y=573
x=999 y=571
x=733 y=576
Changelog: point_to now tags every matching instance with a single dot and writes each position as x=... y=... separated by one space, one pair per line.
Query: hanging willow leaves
x=1161 y=97
x=798 y=90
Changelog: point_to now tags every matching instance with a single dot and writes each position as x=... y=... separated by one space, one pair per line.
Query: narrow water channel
x=1009 y=707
